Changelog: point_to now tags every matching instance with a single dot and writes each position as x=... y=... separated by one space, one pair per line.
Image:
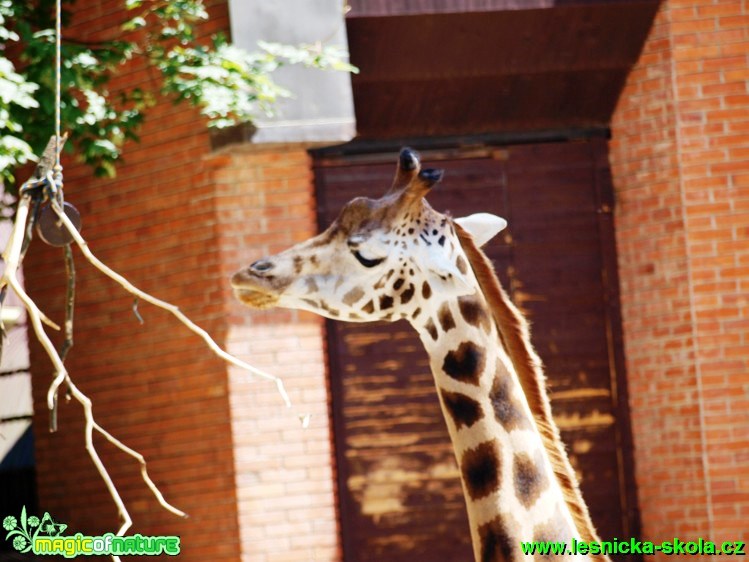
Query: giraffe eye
x=366 y=262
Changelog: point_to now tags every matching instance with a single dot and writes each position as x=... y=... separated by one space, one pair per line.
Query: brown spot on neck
x=528 y=478
x=474 y=312
x=466 y=363
x=463 y=410
x=496 y=541
x=556 y=529
x=507 y=409
x=461 y=264
x=481 y=469
x=445 y=317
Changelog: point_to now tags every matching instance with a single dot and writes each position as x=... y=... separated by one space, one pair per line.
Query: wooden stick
x=174 y=310
x=13 y=255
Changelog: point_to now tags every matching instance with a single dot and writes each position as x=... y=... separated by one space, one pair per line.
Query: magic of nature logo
x=44 y=535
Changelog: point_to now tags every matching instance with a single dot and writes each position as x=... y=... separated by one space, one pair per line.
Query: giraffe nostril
x=261 y=266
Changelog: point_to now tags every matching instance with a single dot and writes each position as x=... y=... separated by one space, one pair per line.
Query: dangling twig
x=69 y=302
x=137 y=312
x=67 y=344
x=3 y=332
x=36 y=203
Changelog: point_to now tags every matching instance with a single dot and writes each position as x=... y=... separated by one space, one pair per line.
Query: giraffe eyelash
x=366 y=262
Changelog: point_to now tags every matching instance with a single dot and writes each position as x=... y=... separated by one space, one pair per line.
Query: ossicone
x=431 y=176
x=413 y=181
x=409 y=159
x=408 y=168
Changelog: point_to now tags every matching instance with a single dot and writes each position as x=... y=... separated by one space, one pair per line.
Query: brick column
x=680 y=161
x=285 y=491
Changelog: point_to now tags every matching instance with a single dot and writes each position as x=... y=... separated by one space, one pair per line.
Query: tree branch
x=13 y=256
x=67 y=345
x=174 y=310
x=9 y=278
x=30 y=196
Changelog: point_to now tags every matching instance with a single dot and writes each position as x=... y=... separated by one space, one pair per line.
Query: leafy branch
x=229 y=85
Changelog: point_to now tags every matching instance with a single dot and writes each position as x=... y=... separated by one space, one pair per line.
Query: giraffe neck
x=509 y=485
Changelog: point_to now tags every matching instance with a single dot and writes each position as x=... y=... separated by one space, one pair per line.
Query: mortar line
x=690 y=284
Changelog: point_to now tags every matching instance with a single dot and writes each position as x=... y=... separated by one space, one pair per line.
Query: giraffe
x=397 y=258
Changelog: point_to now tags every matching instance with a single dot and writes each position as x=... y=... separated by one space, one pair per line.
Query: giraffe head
x=379 y=260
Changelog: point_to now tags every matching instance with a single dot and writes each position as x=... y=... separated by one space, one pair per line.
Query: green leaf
x=13 y=533
x=135 y=23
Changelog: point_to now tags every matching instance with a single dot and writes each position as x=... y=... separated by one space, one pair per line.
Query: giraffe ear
x=482 y=226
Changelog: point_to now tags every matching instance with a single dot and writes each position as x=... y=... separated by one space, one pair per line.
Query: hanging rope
x=46 y=184
x=48 y=173
x=58 y=81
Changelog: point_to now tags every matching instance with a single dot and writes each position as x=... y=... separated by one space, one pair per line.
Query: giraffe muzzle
x=253 y=285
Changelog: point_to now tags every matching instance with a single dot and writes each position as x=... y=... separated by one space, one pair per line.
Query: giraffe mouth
x=250 y=292
x=255 y=299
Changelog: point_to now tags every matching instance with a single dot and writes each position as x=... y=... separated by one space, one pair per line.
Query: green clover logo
x=24 y=530
x=21 y=531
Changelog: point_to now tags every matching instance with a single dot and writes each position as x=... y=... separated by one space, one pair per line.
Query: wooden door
x=400 y=494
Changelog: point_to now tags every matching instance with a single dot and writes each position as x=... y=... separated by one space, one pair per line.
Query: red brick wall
x=285 y=494
x=680 y=160
x=177 y=221
x=154 y=386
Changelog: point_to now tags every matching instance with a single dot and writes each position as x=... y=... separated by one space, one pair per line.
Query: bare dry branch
x=12 y=255
x=174 y=310
x=48 y=158
x=9 y=278
x=67 y=345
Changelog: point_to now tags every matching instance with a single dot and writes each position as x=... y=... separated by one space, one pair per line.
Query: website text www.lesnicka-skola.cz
x=674 y=546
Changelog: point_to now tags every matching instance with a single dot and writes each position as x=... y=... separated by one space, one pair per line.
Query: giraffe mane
x=515 y=337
